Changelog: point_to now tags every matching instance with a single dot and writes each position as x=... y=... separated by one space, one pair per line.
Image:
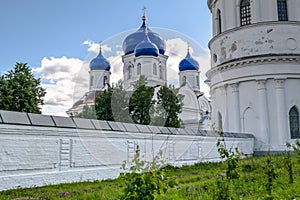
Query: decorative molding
x=261 y=84
x=235 y=87
x=251 y=61
x=279 y=83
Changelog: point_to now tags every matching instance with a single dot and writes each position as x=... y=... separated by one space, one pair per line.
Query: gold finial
x=144 y=13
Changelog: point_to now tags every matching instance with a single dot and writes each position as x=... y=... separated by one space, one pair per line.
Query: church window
x=294 y=122
x=197 y=80
x=160 y=72
x=282 y=10
x=154 y=69
x=104 y=80
x=92 y=81
x=245 y=12
x=139 y=69
x=130 y=72
x=184 y=80
x=220 y=122
x=219 y=20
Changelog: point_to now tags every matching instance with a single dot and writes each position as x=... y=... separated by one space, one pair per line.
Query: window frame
x=139 y=69
x=282 y=10
x=245 y=12
x=219 y=22
x=294 y=122
x=154 y=69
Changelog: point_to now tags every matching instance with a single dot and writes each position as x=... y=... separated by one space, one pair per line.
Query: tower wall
x=255 y=70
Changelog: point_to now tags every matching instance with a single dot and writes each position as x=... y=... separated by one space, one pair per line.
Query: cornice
x=244 y=62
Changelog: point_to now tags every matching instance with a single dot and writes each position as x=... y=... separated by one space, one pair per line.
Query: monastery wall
x=37 y=150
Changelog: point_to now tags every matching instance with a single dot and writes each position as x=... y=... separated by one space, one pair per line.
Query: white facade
x=154 y=68
x=191 y=77
x=255 y=70
x=99 y=79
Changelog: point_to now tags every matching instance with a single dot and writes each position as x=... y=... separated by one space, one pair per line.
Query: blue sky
x=33 y=29
x=47 y=33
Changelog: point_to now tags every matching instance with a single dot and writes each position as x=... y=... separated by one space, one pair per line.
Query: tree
x=20 y=90
x=103 y=105
x=88 y=112
x=169 y=105
x=112 y=105
x=141 y=101
x=120 y=104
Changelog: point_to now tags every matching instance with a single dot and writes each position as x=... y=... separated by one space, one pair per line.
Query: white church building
x=254 y=76
x=255 y=69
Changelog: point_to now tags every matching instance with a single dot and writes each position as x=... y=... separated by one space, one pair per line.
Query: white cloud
x=57 y=77
x=95 y=47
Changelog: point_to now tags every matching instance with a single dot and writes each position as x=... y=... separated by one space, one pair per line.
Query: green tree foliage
x=271 y=176
x=112 y=105
x=141 y=101
x=103 y=105
x=169 y=105
x=20 y=90
x=120 y=104
x=88 y=112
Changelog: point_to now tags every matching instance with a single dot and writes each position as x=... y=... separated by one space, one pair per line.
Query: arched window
x=294 y=122
x=245 y=12
x=282 y=10
x=92 y=81
x=104 y=80
x=160 y=72
x=139 y=69
x=219 y=19
x=184 y=80
x=220 y=122
x=154 y=69
x=130 y=72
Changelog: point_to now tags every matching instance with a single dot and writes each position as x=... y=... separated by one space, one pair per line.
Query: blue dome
x=100 y=63
x=132 y=40
x=188 y=63
x=146 y=48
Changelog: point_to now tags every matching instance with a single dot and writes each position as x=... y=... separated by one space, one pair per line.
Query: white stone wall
x=46 y=153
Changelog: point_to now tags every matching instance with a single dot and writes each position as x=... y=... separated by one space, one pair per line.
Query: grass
x=188 y=182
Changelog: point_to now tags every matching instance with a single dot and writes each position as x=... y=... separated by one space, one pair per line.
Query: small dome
x=132 y=40
x=146 y=48
x=188 y=63
x=100 y=63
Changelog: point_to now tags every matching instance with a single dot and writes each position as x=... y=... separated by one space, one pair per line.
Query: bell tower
x=255 y=69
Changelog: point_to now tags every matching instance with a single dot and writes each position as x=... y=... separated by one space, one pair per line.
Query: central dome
x=132 y=40
x=146 y=48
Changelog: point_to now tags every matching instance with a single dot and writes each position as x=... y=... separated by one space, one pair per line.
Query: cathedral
x=144 y=54
x=254 y=77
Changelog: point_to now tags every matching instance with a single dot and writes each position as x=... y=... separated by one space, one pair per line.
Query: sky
x=57 y=38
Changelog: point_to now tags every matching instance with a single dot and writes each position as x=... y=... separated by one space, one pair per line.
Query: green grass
x=189 y=182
